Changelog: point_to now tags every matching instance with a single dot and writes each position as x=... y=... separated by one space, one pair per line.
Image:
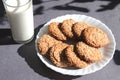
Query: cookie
x=45 y=42
x=66 y=27
x=88 y=53
x=54 y=30
x=95 y=37
x=57 y=55
x=73 y=59
x=78 y=27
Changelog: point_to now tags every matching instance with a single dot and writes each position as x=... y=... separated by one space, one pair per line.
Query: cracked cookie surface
x=45 y=42
x=66 y=27
x=54 y=30
x=57 y=55
x=73 y=59
x=95 y=37
x=88 y=53
x=78 y=27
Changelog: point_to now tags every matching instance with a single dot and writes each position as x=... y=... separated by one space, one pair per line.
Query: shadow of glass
x=6 y=37
x=116 y=57
x=2 y=13
x=29 y=53
x=111 y=5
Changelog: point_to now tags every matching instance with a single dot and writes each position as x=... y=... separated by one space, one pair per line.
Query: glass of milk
x=20 y=17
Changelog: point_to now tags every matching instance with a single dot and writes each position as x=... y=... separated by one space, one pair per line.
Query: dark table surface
x=20 y=62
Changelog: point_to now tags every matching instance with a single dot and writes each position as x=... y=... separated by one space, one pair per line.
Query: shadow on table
x=40 y=10
x=28 y=52
x=116 y=57
x=2 y=13
x=6 y=37
x=111 y=5
x=37 y=2
x=69 y=7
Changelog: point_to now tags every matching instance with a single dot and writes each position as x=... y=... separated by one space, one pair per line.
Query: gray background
x=20 y=62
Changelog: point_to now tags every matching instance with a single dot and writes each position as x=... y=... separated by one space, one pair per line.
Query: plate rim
x=51 y=66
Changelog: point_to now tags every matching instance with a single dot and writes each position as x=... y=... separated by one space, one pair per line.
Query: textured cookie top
x=78 y=27
x=66 y=27
x=73 y=58
x=88 y=53
x=95 y=37
x=54 y=30
x=45 y=42
x=56 y=55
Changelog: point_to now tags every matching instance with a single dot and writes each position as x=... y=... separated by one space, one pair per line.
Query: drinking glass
x=20 y=17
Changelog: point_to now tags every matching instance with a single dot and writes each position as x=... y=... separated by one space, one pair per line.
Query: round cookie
x=54 y=30
x=66 y=27
x=95 y=37
x=57 y=55
x=73 y=59
x=88 y=53
x=45 y=42
x=78 y=27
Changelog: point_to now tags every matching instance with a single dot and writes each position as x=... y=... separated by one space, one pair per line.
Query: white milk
x=20 y=16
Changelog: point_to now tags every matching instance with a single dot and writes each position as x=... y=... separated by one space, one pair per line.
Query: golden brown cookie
x=73 y=59
x=66 y=27
x=88 y=53
x=78 y=27
x=54 y=30
x=57 y=55
x=95 y=37
x=45 y=42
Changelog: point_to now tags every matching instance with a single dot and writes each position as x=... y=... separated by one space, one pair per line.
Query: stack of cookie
x=72 y=44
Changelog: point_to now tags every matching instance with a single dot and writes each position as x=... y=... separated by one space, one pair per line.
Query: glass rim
x=4 y=1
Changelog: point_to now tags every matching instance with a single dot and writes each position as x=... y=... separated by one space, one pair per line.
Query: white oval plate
x=107 y=51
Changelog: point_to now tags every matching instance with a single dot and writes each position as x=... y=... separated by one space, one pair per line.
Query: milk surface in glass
x=20 y=16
